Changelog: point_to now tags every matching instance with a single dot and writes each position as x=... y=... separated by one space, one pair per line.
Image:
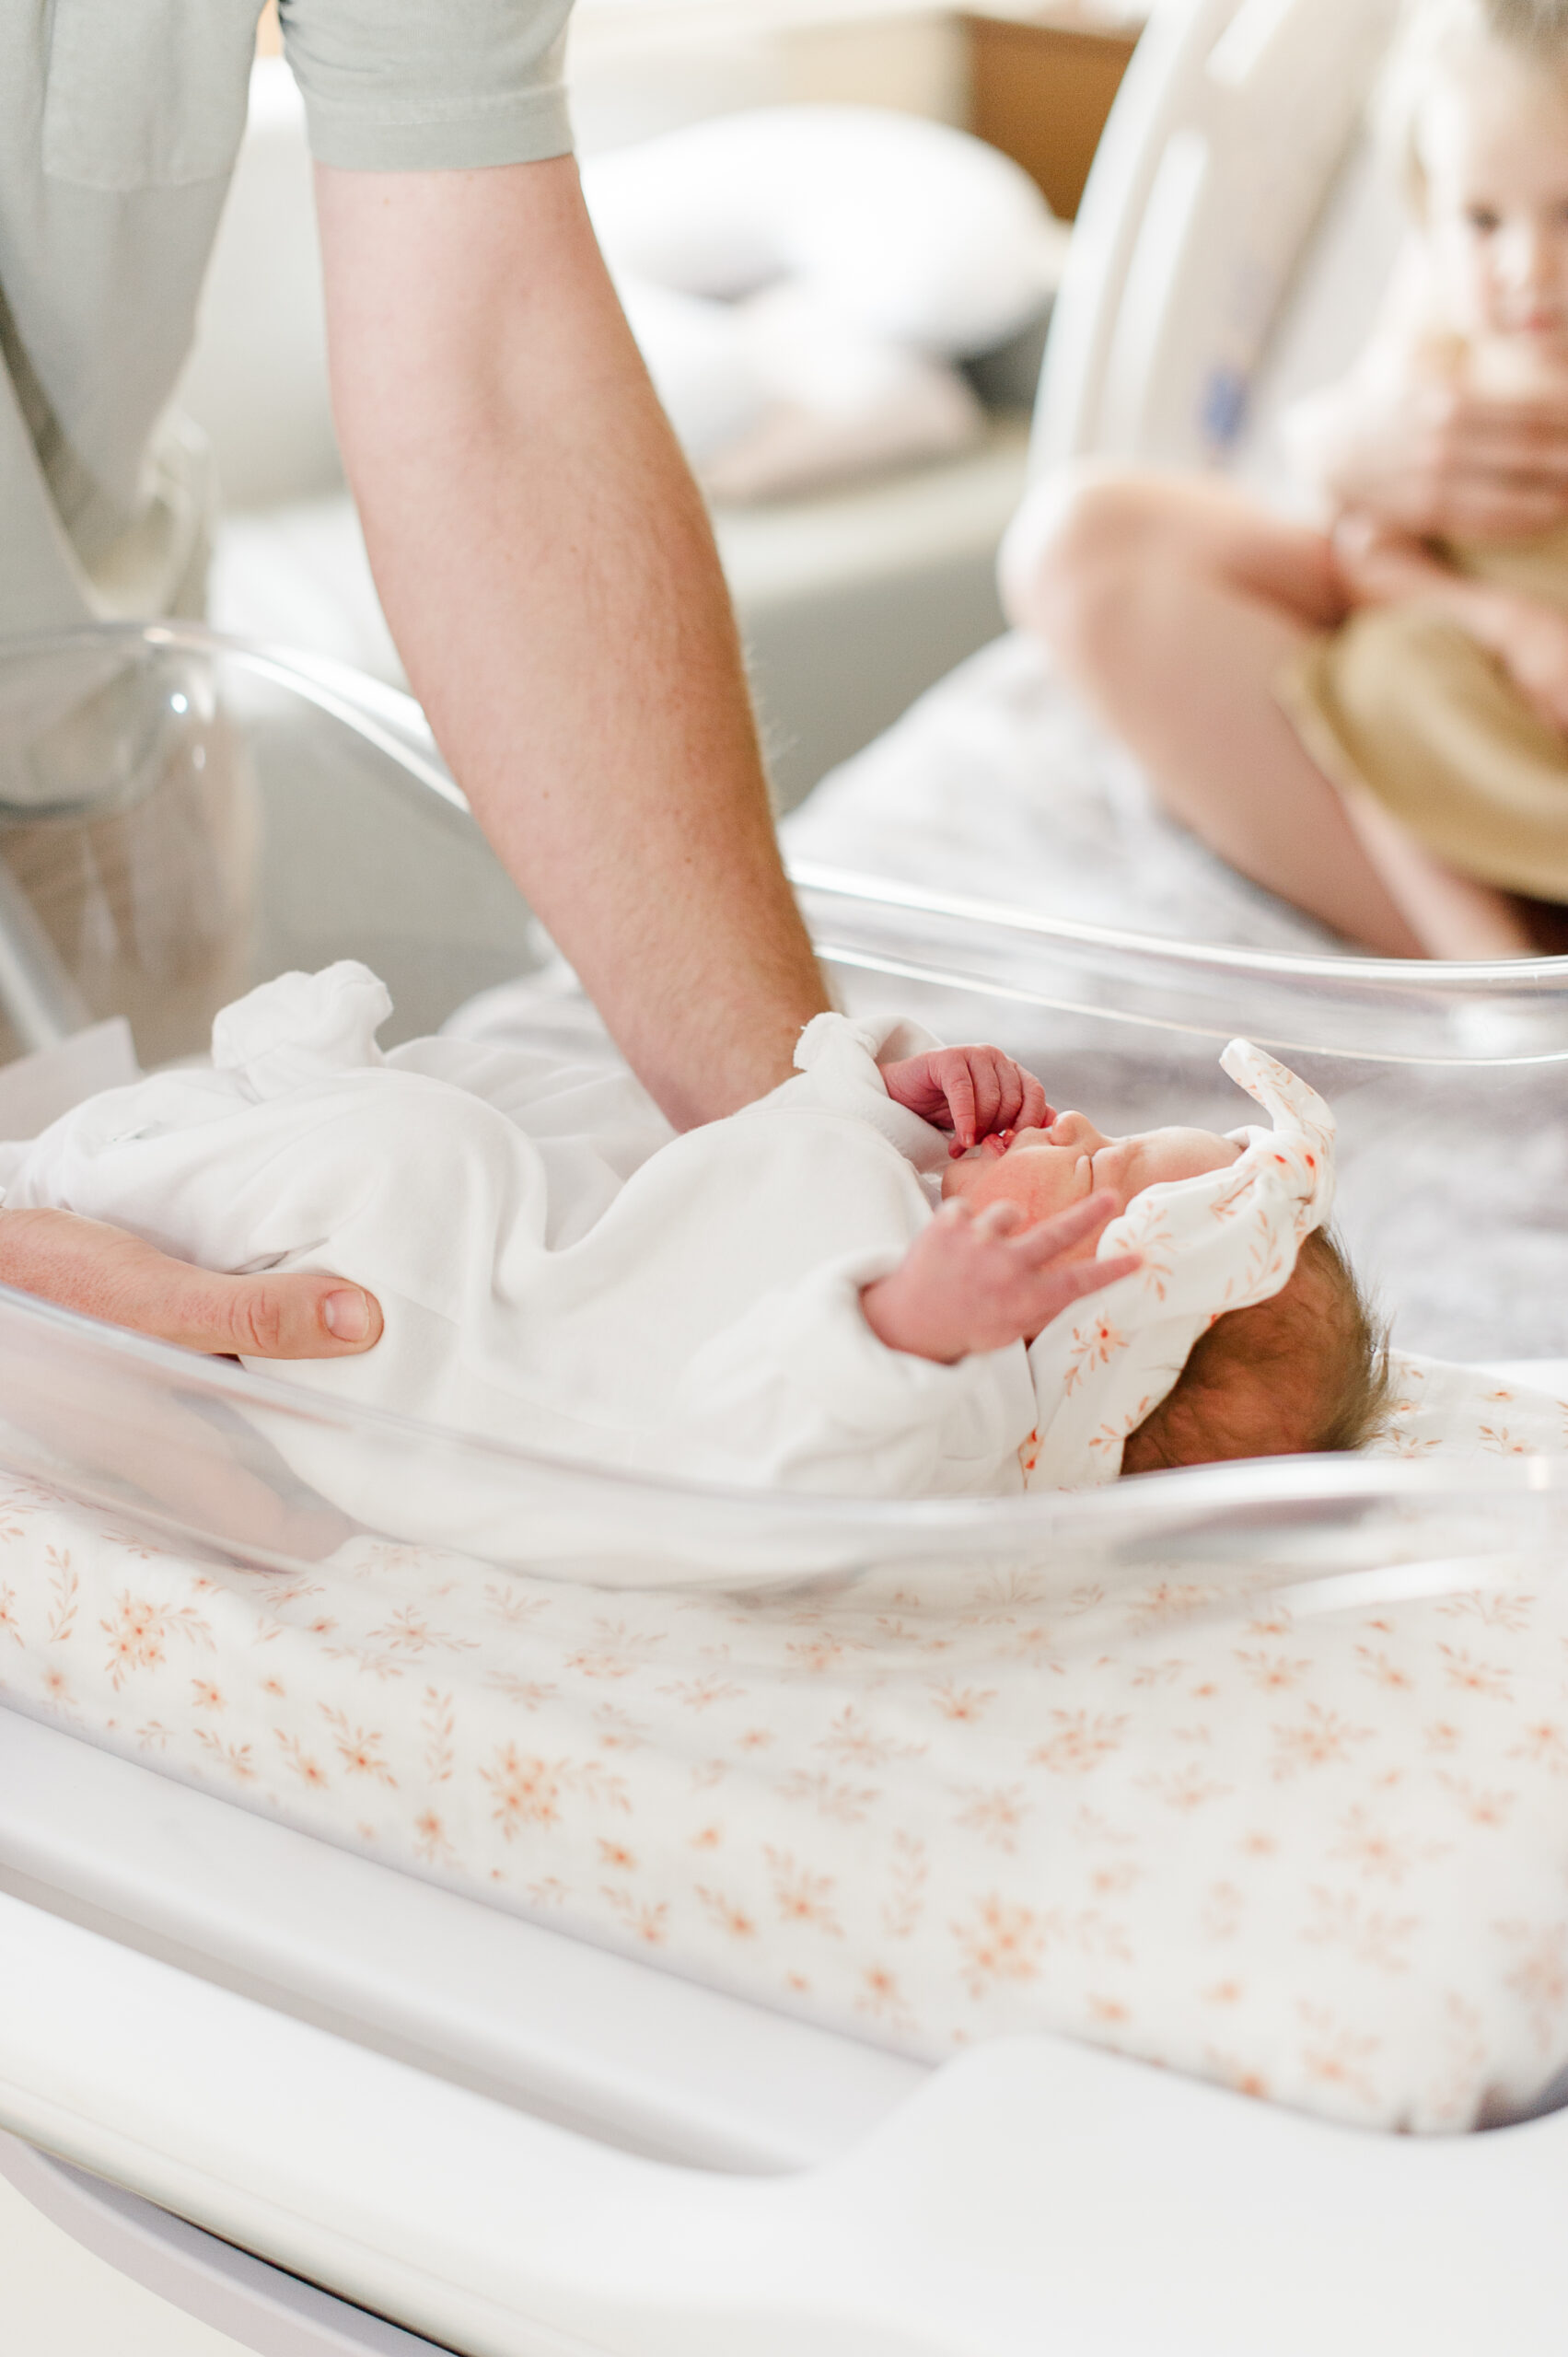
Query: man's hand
x=81 y=1264
x=974 y=1092
x=979 y=1282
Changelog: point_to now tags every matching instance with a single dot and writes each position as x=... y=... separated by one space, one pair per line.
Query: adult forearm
x=549 y=574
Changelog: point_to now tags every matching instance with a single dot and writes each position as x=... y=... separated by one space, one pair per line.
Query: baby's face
x=1494 y=147
x=1045 y=1171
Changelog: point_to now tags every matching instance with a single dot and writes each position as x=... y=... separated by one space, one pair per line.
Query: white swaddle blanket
x=556 y=1270
x=560 y=1274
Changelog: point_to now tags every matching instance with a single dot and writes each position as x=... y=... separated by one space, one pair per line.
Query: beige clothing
x=1403 y=703
x=120 y=120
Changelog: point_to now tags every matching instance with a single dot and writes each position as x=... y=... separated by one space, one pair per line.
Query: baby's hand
x=974 y=1092
x=977 y=1281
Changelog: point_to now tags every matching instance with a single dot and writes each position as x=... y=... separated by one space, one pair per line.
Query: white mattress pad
x=1313 y=1852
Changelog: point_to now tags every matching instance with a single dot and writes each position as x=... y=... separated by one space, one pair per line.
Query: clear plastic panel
x=181 y=817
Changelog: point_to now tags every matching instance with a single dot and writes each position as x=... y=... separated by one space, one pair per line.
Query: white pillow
x=841 y=403
x=905 y=228
x=779 y=395
x=697 y=356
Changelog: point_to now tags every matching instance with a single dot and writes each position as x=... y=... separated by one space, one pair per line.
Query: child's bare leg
x=1176 y=605
x=1453 y=915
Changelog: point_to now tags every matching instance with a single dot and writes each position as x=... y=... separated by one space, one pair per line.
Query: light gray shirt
x=120 y=120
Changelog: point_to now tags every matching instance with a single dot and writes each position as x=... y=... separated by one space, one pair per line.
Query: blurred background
x=851 y=376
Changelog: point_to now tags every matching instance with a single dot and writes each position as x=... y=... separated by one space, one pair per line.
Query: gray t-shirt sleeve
x=430 y=85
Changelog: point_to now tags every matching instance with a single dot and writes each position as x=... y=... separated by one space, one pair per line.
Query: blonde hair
x=1432 y=34
x=1304 y=1372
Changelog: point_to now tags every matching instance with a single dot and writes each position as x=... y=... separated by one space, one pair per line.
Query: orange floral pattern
x=1321 y=1858
x=1211 y=1242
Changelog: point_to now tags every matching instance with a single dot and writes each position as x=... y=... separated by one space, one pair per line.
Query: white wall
x=641 y=66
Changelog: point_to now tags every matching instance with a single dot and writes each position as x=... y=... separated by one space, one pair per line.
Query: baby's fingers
x=1034 y=1110
x=958 y=1087
x=988 y=1091
x=1020 y=1099
x=1057 y=1289
x=1000 y=1093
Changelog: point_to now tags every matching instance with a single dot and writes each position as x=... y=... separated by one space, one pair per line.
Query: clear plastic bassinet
x=181 y=817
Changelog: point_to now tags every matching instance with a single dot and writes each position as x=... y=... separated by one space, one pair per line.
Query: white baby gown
x=557 y=1271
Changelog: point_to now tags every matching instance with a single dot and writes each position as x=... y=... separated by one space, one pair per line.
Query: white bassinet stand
x=1032 y=2196
x=506 y=2141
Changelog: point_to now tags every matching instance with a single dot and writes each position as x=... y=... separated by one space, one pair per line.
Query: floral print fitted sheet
x=1322 y=1858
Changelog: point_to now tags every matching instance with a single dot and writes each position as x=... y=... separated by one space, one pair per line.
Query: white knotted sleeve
x=838 y=1072
x=302 y=1027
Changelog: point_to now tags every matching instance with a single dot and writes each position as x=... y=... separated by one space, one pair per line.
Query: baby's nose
x=1070 y=1128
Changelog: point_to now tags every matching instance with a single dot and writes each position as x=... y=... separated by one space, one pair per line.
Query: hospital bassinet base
x=412 y=2087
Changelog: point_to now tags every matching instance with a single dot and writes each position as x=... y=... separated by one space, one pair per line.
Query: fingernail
x=347 y=1316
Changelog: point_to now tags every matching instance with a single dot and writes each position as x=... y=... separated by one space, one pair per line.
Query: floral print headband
x=1220 y=1241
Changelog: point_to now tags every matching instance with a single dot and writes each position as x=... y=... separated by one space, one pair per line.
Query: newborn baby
x=775 y=1300
x=1303 y=1370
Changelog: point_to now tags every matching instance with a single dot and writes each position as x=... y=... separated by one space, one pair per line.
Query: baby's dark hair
x=1306 y=1370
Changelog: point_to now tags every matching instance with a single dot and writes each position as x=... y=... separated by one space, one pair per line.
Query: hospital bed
x=328 y=2105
